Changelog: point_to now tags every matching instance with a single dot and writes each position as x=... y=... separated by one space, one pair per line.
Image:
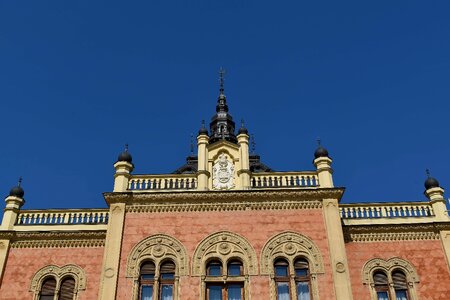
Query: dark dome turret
x=320 y=151
x=125 y=155
x=17 y=191
x=203 y=129
x=242 y=130
x=430 y=182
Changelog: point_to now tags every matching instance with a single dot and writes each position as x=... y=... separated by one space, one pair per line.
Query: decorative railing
x=63 y=217
x=284 y=180
x=162 y=182
x=386 y=210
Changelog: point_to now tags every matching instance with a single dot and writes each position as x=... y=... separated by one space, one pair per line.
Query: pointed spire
x=19 y=181
x=427 y=171
x=203 y=129
x=242 y=130
x=222 y=73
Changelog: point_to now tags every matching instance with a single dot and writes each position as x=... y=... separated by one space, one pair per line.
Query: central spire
x=222 y=125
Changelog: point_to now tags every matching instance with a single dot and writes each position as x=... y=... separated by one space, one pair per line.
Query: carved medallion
x=223 y=173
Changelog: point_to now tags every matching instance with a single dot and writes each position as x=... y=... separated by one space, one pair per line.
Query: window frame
x=224 y=280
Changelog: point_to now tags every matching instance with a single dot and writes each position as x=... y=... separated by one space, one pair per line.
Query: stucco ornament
x=223 y=173
x=59 y=273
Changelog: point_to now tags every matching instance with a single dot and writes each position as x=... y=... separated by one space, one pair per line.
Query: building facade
x=227 y=226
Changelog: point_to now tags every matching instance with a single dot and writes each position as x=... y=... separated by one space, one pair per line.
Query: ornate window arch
x=390 y=267
x=60 y=275
x=225 y=248
x=290 y=247
x=158 y=249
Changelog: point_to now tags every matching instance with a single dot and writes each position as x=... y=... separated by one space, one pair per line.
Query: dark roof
x=190 y=167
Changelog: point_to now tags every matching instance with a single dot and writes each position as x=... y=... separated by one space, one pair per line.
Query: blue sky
x=79 y=79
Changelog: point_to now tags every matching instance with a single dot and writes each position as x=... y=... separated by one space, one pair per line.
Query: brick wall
x=190 y=228
x=22 y=265
x=426 y=256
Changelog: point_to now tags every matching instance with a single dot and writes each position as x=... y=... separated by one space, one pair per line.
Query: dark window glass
x=146 y=281
x=381 y=285
x=302 y=279
x=214 y=268
x=283 y=291
x=234 y=292
x=400 y=285
x=146 y=292
x=235 y=268
x=281 y=268
x=167 y=272
x=215 y=292
x=303 y=292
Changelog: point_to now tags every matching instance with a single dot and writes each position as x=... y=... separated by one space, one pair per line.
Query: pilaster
x=338 y=255
x=244 y=172
x=203 y=173
x=111 y=257
x=122 y=175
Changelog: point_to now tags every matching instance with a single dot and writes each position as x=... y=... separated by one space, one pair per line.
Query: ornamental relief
x=291 y=245
x=59 y=273
x=224 y=245
x=223 y=173
x=158 y=248
x=389 y=265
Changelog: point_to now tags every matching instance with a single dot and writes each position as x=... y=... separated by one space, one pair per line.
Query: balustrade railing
x=162 y=182
x=62 y=217
x=284 y=180
x=386 y=210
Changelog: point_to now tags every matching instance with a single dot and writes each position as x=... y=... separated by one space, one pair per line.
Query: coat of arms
x=223 y=171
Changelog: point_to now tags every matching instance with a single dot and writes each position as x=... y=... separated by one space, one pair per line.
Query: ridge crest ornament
x=223 y=171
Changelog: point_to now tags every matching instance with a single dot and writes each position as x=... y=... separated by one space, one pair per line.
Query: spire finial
x=253 y=143
x=192 y=144
x=428 y=172
x=126 y=147
x=318 y=141
x=242 y=123
x=20 y=181
x=222 y=73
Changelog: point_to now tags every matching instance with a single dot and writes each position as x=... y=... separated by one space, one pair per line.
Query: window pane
x=215 y=292
x=214 y=269
x=147 y=292
x=281 y=271
x=283 y=290
x=234 y=269
x=301 y=272
x=401 y=295
x=168 y=276
x=235 y=292
x=303 y=291
x=147 y=276
x=67 y=289
x=48 y=287
x=382 y=296
x=167 y=292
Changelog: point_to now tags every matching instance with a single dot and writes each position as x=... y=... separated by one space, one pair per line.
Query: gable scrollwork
x=158 y=248
x=59 y=273
x=224 y=246
x=388 y=266
x=291 y=245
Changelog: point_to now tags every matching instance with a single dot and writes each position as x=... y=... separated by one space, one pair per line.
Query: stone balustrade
x=386 y=210
x=162 y=182
x=284 y=180
x=63 y=217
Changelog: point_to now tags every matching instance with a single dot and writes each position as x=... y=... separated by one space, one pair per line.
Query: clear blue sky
x=79 y=79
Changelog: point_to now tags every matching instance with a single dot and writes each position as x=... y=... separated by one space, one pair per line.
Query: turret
x=14 y=202
x=322 y=161
x=124 y=167
x=436 y=196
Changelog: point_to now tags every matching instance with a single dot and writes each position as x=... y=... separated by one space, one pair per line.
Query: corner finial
x=20 y=181
x=222 y=73
x=192 y=144
x=253 y=143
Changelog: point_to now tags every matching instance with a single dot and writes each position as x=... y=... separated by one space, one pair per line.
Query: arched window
x=157 y=283
x=58 y=283
x=293 y=263
x=224 y=283
x=302 y=279
x=400 y=285
x=393 y=279
x=67 y=289
x=48 y=289
x=146 y=281
x=281 y=268
x=381 y=285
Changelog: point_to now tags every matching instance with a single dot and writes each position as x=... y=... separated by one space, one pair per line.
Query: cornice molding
x=55 y=239
x=250 y=196
x=388 y=233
